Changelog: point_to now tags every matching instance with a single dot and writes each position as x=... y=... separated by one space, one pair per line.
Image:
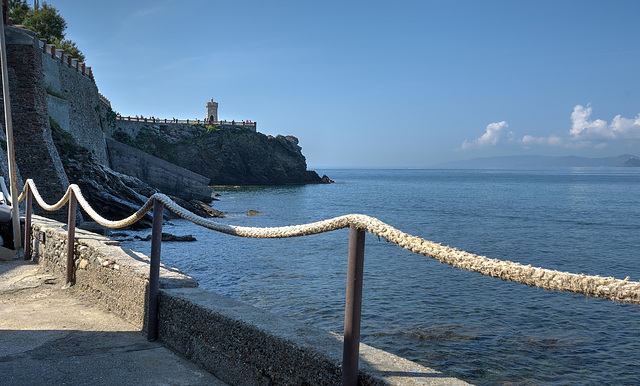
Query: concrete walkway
x=51 y=337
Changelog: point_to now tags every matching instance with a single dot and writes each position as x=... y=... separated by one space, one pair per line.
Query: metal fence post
x=27 y=223
x=71 y=235
x=154 y=270
x=353 y=307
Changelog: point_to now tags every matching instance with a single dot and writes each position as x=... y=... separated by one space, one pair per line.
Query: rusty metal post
x=71 y=235
x=353 y=307
x=154 y=270
x=27 y=223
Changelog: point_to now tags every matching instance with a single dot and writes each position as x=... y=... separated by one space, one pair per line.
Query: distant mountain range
x=539 y=161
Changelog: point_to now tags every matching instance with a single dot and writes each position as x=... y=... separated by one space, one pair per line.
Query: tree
x=18 y=10
x=47 y=23
x=70 y=48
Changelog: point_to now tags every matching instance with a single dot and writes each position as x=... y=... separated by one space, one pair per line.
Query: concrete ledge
x=114 y=276
x=241 y=344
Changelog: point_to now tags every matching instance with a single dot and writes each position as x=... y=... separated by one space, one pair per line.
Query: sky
x=379 y=83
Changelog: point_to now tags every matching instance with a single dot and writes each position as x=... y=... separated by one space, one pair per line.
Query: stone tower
x=212 y=111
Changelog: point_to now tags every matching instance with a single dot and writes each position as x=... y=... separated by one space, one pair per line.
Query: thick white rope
x=85 y=205
x=624 y=291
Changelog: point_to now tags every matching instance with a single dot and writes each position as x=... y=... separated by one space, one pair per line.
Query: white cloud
x=493 y=134
x=619 y=129
x=580 y=122
x=585 y=132
x=625 y=128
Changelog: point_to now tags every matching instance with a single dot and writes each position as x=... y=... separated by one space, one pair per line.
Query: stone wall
x=35 y=153
x=167 y=177
x=114 y=276
x=73 y=102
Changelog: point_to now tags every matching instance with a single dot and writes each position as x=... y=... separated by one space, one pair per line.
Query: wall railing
x=610 y=288
x=60 y=55
x=248 y=124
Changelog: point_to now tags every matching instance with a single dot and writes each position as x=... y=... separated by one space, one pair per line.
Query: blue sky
x=369 y=84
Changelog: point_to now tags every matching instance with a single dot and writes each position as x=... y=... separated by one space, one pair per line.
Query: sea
x=476 y=328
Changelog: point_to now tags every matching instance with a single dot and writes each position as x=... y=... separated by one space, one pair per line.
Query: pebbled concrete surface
x=51 y=336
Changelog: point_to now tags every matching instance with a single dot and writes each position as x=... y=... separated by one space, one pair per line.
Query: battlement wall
x=73 y=100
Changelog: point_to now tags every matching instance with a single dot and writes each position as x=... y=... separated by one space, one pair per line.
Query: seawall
x=238 y=343
x=169 y=178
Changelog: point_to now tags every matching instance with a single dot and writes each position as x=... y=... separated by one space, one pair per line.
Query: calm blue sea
x=483 y=330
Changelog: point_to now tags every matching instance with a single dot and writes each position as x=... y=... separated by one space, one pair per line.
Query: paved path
x=51 y=337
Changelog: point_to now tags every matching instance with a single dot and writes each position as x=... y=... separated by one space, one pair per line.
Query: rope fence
x=624 y=291
x=610 y=288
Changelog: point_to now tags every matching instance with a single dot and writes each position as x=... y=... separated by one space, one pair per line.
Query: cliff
x=62 y=125
x=227 y=156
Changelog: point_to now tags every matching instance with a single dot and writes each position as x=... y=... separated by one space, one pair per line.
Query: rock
x=217 y=194
x=326 y=180
x=112 y=195
x=199 y=208
x=253 y=212
x=168 y=237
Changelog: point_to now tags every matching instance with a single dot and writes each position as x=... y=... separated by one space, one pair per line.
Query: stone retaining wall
x=169 y=178
x=238 y=343
x=35 y=153
x=80 y=113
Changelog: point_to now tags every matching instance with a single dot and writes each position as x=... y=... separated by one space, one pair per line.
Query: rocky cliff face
x=226 y=156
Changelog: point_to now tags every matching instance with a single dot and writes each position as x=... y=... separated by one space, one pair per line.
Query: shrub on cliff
x=47 y=23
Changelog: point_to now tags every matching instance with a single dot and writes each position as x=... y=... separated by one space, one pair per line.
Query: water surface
x=483 y=330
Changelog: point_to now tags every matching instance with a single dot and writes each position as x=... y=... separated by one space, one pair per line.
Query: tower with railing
x=212 y=111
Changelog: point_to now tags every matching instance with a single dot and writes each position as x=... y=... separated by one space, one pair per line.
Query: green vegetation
x=149 y=141
x=65 y=143
x=47 y=23
x=54 y=93
x=208 y=128
x=111 y=117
